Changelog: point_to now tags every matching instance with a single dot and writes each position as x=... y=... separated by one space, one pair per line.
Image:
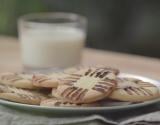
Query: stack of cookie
x=85 y=86
x=19 y=88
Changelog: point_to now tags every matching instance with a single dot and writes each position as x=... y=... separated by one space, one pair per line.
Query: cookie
x=54 y=94
x=79 y=68
x=134 y=90
x=52 y=80
x=110 y=73
x=47 y=81
x=74 y=69
x=17 y=80
x=53 y=102
x=113 y=70
x=19 y=95
x=87 y=85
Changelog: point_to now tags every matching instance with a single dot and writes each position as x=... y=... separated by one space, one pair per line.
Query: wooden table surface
x=10 y=59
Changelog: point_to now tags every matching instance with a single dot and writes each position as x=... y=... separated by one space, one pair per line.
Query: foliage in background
x=130 y=26
x=10 y=10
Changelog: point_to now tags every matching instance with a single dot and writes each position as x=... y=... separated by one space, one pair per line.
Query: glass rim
x=73 y=17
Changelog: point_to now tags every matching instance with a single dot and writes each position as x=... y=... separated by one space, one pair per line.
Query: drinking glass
x=50 y=40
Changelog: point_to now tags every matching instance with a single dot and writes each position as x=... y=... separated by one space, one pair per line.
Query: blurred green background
x=118 y=25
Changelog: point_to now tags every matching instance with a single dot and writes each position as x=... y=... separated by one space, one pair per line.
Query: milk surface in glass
x=52 y=46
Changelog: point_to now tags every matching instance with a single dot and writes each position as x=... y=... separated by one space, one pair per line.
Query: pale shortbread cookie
x=19 y=95
x=74 y=69
x=81 y=68
x=52 y=80
x=17 y=80
x=110 y=73
x=48 y=81
x=54 y=94
x=53 y=102
x=87 y=85
x=134 y=90
x=113 y=70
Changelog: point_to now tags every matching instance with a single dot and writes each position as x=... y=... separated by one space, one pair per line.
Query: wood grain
x=10 y=59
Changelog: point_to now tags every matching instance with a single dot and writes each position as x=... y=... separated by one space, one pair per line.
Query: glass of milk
x=50 y=40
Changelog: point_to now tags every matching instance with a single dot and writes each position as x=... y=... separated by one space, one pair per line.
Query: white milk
x=51 y=47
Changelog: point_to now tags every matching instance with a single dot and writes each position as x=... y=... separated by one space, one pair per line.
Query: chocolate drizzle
x=57 y=103
x=138 y=91
x=76 y=92
x=40 y=79
x=13 y=77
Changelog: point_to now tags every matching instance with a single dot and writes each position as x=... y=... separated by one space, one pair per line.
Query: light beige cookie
x=134 y=90
x=81 y=68
x=74 y=69
x=47 y=81
x=53 y=102
x=52 y=80
x=17 y=80
x=111 y=70
x=110 y=73
x=87 y=85
x=54 y=93
x=19 y=95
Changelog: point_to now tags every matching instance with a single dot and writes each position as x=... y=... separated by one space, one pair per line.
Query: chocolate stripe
x=82 y=94
x=43 y=80
x=101 y=86
x=88 y=72
x=57 y=103
x=75 y=93
x=104 y=74
x=67 y=79
x=96 y=73
x=104 y=71
x=110 y=80
x=145 y=84
x=93 y=73
x=70 y=92
x=128 y=91
x=16 y=79
x=136 y=91
x=99 y=72
x=102 y=90
x=64 y=93
x=106 y=83
x=147 y=91
x=71 y=78
x=37 y=78
x=69 y=83
x=78 y=75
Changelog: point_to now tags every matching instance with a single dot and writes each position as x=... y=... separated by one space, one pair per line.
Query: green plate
x=84 y=110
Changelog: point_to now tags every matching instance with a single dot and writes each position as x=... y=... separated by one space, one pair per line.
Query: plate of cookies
x=79 y=90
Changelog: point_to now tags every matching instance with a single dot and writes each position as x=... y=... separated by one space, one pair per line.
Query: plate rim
x=155 y=82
